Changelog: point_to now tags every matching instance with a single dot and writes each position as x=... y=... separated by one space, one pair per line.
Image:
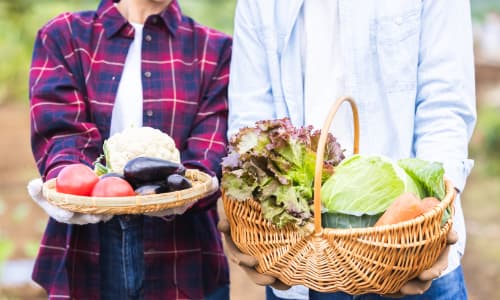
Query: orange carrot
x=428 y=203
x=405 y=207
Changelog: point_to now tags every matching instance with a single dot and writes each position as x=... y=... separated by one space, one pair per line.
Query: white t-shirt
x=127 y=110
x=321 y=54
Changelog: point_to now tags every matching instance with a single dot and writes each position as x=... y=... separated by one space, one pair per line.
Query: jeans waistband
x=126 y=221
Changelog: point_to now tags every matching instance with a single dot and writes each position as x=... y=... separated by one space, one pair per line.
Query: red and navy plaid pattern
x=76 y=68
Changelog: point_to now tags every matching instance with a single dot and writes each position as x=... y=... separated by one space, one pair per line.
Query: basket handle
x=318 y=229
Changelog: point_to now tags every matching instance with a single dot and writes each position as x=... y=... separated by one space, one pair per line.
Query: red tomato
x=76 y=179
x=112 y=187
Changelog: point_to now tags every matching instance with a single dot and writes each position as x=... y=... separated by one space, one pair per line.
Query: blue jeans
x=221 y=293
x=449 y=287
x=122 y=260
x=122 y=257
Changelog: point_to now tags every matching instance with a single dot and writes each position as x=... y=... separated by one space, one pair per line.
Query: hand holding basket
x=202 y=185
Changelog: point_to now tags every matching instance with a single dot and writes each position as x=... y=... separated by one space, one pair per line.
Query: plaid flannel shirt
x=77 y=63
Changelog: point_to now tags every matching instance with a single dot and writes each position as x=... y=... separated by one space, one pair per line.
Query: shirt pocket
x=396 y=43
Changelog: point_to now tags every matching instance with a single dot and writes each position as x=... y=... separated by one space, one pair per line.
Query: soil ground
x=22 y=222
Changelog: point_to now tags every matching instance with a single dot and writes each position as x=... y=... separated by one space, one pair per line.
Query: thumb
x=438 y=268
x=452 y=237
x=416 y=287
x=236 y=255
x=35 y=189
x=223 y=226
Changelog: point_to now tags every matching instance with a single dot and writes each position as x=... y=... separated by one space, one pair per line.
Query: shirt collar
x=114 y=22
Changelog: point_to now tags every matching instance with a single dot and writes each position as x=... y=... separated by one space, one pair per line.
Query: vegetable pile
x=274 y=163
x=138 y=141
x=139 y=161
x=364 y=186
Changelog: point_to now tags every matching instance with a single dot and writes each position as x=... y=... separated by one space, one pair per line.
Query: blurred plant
x=20 y=20
x=6 y=250
x=217 y=14
x=3 y=206
x=20 y=212
x=480 y=8
x=487 y=143
x=30 y=248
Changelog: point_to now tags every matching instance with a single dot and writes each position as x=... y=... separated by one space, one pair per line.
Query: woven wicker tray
x=202 y=186
x=356 y=261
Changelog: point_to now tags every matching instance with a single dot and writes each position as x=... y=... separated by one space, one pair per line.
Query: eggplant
x=150 y=189
x=142 y=170
x=112 y=174
x=177 y=182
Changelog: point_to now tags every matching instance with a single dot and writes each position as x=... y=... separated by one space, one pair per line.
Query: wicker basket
x=356 y=261
x=202 y=186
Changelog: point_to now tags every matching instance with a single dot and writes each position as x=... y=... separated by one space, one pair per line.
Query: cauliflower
x=138 y=141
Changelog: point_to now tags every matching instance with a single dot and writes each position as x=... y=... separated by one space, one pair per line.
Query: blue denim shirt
x=408 y=64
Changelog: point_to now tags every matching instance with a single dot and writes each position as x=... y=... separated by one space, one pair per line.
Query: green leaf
x=338 y=220
x=236 y=188
x=273 y=162
x=428 y=174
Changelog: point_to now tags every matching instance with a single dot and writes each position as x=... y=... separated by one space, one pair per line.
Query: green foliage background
x=20 y=20
x=480 y=8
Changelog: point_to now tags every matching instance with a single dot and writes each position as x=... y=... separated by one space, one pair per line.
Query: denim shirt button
x=149 y=112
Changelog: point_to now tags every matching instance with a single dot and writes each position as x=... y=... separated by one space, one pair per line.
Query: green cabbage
x=364 y=186
x=428 y=174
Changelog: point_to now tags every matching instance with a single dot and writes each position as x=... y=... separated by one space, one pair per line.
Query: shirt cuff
x=457 y=172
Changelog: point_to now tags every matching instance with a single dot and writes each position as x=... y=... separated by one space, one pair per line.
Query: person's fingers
x=279 y=285
x=394 y=295
x=439 y=266
x=415 y=287
x=452 y=237
x=423 y=282
x=258 y=278
x=223 y=226
x=236 y=256
x=246 y=262
x=35 y=187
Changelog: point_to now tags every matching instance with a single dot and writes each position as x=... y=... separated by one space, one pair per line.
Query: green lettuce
x=273 y=162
